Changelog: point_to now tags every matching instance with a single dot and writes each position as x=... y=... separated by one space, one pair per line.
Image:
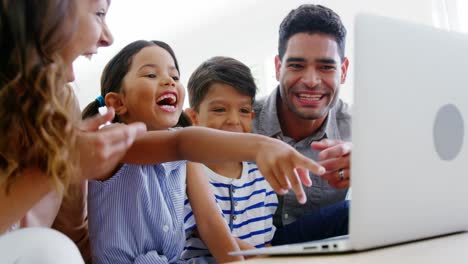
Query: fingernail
x=141 y=127
x=321 y=170
x=130 y=141
x=102 y=110
x=301 y=199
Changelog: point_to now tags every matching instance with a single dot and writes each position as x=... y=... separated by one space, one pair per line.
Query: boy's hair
x=118 y=67
x=223 y=70
x=312 y=19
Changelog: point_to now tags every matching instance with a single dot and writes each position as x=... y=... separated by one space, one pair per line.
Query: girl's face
x=91 y=33
x=151 y=90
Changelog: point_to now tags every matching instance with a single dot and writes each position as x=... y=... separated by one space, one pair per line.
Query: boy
x=221 y=94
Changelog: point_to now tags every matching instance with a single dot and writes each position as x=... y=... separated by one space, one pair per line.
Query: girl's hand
x=102 y=149
x=285 y=168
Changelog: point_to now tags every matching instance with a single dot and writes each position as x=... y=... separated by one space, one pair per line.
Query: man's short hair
x=312 y=19
x=223 y=70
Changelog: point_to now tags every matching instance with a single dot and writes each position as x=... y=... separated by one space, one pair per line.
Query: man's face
x=310 y=75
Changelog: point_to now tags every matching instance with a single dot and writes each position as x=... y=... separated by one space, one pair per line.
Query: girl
x=137 y=214
x=41 y=144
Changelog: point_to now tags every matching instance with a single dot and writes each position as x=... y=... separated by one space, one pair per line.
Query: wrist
x=259 y=143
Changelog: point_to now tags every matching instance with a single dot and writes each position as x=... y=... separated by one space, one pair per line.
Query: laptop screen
x=409 y=160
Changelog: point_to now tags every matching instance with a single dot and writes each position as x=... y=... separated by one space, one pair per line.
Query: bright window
x=462 y=8
x=450 y=14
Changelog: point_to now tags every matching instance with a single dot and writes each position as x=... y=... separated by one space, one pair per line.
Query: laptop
x=410 y=155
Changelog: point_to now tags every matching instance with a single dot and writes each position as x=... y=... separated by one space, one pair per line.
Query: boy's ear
x=252 y=115
x=193 y=115
x=115 y=100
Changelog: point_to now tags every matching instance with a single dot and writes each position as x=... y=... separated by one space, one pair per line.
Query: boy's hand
x=335 y=157
x=285 y=168
x=244 y=246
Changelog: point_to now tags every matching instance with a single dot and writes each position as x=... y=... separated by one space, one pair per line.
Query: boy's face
x=224 y=108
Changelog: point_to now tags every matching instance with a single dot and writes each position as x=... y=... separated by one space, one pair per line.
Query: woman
x=41 y=138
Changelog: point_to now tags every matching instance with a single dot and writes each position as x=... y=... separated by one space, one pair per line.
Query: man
x=305 y=112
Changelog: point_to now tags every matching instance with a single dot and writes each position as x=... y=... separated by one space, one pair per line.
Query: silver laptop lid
x=410 y=117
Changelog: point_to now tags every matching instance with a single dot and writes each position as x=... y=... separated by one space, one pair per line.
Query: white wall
x=243 y=29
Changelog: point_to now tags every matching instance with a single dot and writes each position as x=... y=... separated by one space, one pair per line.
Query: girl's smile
x=167 y=102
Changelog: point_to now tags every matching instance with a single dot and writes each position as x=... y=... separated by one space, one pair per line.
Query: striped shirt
x=247 y=205
x=137 y=215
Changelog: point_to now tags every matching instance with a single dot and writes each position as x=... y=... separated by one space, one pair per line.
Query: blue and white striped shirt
x=137 y=215
x=247 y=205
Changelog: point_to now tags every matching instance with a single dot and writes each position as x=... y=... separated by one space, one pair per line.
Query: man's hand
x=101 y=150
x=335 y=157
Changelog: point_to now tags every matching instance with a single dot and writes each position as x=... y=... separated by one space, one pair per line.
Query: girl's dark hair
x=184 y=120
x=118 y=67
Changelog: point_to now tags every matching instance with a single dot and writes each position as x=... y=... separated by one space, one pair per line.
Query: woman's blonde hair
x=36 y=126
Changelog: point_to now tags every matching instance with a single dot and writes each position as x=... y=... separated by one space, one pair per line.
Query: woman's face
x=91 y=33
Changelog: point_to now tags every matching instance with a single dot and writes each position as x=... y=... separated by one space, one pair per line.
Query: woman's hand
x=101 y=150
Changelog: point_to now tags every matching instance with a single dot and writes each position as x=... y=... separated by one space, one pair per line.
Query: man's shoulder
x=343 y=110
x=342 y=113
x=259 y=103
x=261 y=121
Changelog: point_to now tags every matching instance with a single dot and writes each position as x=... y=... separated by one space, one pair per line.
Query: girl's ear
x=193 y=115
x=115 y=100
